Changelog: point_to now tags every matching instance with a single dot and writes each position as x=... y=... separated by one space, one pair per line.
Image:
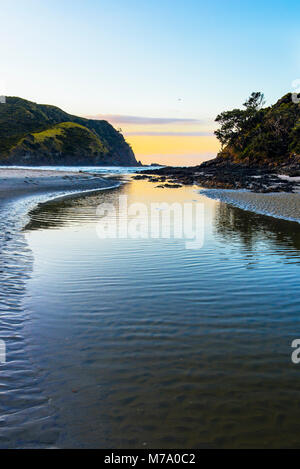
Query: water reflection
x=75 y=211
x=230 y=223
x=251 y=230
x=144 y=344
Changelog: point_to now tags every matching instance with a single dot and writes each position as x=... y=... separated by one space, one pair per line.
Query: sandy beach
x=16 y=183
x=280 y=205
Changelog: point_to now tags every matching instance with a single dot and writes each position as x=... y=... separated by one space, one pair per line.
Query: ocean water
x=92 y=169
x=142 y=343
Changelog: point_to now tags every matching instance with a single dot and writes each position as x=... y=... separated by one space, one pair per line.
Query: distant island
x=258 y=145
x=37 y=135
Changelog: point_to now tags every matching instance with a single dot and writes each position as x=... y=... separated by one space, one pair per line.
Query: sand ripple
x=279 y=205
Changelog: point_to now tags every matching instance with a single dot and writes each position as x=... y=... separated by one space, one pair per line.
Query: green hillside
x=36 y=134
x=258 y=136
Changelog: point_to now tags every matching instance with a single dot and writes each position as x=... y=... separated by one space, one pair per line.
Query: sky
x=160 y=70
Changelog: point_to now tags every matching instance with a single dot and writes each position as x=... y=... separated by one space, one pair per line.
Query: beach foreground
x=21 y=182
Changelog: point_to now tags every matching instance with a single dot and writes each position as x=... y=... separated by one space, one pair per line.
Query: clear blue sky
x=160 y=58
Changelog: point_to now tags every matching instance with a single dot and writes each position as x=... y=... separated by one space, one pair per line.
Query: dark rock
x=225 y=176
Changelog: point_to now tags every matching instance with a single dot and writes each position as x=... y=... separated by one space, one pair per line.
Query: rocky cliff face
x=33 y=134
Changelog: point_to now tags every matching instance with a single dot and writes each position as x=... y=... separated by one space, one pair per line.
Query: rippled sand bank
x=279 y=205
x=18 y=182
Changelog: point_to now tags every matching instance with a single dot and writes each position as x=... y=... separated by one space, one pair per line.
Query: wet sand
x=16 y=183
x=279 y=205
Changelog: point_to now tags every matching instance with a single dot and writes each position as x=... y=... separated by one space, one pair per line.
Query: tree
x=255 y=102
x=234 y=124
x=231 y=123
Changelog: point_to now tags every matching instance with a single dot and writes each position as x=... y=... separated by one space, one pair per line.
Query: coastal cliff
x=36 y=134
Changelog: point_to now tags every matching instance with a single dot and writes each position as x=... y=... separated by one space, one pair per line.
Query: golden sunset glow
x=179 y=150
x=181 y=141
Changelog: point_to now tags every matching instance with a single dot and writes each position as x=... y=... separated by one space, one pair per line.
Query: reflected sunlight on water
x=143 y=343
